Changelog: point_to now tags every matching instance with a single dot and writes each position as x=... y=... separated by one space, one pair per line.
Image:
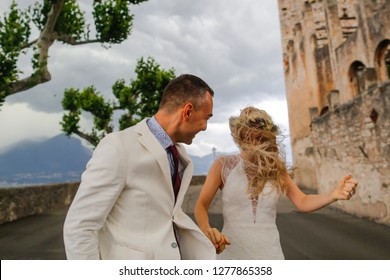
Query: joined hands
x=218 y=239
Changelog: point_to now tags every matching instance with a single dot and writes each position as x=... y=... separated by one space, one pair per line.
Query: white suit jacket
x=125 y=206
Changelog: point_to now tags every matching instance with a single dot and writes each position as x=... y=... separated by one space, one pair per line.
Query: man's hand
x=217 y=238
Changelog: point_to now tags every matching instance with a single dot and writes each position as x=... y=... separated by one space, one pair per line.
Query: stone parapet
x=20 y=202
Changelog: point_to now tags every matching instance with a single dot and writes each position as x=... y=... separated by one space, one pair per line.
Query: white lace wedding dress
x=250 y=226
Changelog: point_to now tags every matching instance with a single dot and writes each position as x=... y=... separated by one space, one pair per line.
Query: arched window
x=382 y=60
x=324 y=110
x=356 y=77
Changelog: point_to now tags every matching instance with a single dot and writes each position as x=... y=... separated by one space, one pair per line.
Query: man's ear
x=187 y=110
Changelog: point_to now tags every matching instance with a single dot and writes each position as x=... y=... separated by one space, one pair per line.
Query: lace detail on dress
x=228 y=164
x=255 y=201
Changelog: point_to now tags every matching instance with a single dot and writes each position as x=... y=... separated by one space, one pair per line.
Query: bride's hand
x=346 y=189
x=217 y=238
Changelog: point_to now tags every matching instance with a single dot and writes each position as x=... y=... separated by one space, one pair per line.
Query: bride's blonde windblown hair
x=256 y=134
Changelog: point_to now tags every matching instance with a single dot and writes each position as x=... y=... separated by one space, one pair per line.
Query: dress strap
x=228 y=164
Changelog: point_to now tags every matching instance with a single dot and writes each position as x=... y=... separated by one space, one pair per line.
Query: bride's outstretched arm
x=212 y=184
x=312 y=202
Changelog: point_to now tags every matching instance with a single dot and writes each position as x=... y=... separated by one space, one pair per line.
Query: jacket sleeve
x=101 y=184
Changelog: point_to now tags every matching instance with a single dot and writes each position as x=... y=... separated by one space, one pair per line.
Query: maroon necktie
x=176 y=180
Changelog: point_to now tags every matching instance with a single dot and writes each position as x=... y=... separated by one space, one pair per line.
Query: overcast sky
x=233 y=45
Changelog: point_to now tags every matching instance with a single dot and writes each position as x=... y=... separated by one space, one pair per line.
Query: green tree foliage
x=55 y=20
x=136 y=101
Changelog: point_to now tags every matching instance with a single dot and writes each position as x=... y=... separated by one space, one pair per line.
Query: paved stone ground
x=324 y=235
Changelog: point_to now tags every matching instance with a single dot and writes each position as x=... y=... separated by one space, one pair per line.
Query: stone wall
x=354 y=138
x=19 y=202
x=336 y=56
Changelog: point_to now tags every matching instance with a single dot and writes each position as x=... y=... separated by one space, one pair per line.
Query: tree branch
x=87 y=137
x=30 y=82
x=66 y=38
x=29 y=44
x=45 y=40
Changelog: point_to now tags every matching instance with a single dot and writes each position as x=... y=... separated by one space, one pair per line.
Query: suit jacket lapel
x=187 y=173
x=149 y=141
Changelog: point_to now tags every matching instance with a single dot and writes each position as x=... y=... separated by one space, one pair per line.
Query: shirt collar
x=159 y=133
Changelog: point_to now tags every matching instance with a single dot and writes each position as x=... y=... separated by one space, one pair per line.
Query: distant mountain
x=57 y=160
x=202 y=164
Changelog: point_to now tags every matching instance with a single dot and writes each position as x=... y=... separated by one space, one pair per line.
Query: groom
x=128 y=205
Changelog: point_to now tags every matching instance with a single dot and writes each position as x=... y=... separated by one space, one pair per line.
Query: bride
x=252 y=183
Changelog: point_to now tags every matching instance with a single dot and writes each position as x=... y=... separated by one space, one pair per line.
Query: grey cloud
x=233 y=45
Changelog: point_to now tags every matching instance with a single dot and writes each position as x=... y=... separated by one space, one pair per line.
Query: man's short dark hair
x=183 y=89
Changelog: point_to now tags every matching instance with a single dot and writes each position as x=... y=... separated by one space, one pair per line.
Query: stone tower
x=336 y=56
